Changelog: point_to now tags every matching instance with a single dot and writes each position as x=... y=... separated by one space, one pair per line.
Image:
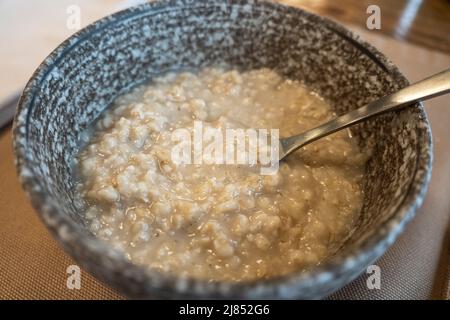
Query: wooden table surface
x=422 y=22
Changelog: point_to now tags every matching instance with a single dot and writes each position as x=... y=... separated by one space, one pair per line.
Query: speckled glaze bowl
x=78 y=80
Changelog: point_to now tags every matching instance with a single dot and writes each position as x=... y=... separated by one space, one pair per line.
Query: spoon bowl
x=436 y=85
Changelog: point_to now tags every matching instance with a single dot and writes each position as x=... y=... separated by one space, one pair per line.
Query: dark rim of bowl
x=367 y=251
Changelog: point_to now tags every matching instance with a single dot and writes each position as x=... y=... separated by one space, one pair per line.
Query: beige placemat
x=33 y=267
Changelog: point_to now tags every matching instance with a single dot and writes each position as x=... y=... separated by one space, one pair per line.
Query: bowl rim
x=72 y=238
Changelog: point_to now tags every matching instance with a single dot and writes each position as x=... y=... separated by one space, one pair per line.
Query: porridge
x=218 y=222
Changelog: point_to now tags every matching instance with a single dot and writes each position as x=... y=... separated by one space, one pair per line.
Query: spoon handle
x=433 y=86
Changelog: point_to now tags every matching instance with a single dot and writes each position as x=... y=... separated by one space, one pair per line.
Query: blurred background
x=414 y=34
x=29 y=30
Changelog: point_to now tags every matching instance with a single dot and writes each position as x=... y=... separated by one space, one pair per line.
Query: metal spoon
x=436 y=85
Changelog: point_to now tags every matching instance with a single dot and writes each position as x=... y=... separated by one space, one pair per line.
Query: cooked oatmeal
x=218 y=222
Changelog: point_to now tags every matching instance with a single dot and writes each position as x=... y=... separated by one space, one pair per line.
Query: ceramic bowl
x=81 y=78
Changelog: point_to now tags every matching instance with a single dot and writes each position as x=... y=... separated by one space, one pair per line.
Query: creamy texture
x=219 y=222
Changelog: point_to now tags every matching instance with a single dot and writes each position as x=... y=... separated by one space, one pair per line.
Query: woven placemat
x=32 y=266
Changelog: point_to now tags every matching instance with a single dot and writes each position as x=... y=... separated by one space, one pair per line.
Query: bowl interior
x=84 y=75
